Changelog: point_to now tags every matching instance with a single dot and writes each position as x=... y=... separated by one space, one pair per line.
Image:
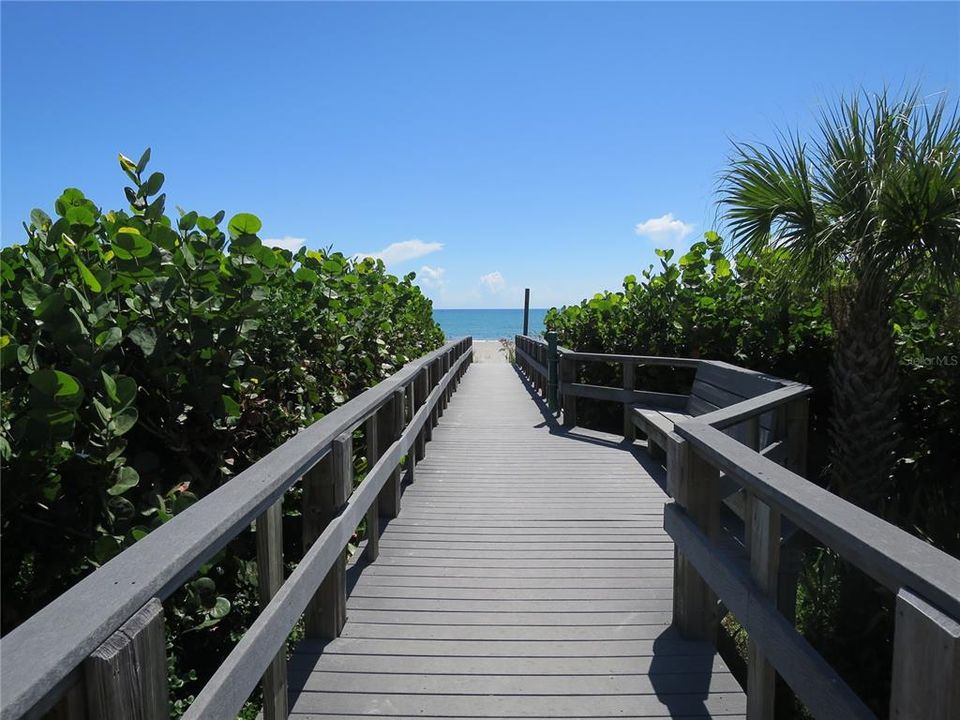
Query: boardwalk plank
x=527 y=575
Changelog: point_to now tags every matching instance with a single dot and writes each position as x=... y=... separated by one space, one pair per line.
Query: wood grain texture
x=926 y=662
x=126 y=677
x=527 y=575
x=269 y=580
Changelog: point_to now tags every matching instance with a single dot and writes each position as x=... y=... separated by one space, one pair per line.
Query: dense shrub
x=146 y=361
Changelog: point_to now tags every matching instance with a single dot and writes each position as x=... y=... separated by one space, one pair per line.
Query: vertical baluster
x=629 y=378
x=391 y=431
x=926 y=662
x=568 y=375
x=764 y=547
x=325 y=491
x=270 y=578
x=126 y=677
x=374 y=449
x=694 y=486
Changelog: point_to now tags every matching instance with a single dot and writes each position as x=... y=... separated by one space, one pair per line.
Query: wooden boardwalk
x=527 y=575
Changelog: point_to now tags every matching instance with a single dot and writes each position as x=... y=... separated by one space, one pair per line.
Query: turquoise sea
x=488 y=324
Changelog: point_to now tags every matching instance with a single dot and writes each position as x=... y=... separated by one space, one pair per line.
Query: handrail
x=891 y=556
x=752 y=407
x=41 y=655
x=232 y=683
x=770 y=495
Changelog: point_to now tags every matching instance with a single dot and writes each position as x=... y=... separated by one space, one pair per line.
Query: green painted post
x=553 y=361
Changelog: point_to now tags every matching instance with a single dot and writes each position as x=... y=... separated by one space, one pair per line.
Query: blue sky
x=487 y=146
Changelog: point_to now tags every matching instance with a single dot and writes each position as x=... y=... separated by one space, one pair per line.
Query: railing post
x=372 y=437
x=796 y=429
x=764 y=548
x=428 y=425
x=553 y=360
x=629 y=378
x=392 y=429
x=926 y=662
x=126 y=677
x=420 y=392
x=568 y=375
x=325 y=491
x=694 y=486
x=269 y=579
x=411 y=404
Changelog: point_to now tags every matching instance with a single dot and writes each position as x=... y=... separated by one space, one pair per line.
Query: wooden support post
x=796 y=429
x=390 y=495
x=553 y=372
x=750 y=434
x=435 y=374
x=420 y=386
x=926 y=662
x=270 y=578
x=411 y=405
x=372 y=436
x=568 y=375
x=428 y=426
x=764 y=567
x=72 y=705
x=126 y=677
x=325 y=491
x=694 y=484
x=526 y=311
x=629 y=378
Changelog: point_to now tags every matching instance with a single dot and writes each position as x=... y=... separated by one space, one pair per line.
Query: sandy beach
x=488 y=351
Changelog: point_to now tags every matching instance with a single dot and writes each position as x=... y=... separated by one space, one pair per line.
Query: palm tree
x=866 y=206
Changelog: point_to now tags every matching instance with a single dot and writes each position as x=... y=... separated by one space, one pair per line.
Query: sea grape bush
x=146 y=360
x=742 y=309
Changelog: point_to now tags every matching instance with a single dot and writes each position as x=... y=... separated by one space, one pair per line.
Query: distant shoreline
x=488 y=324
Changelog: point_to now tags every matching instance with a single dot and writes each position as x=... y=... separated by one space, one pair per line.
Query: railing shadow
x=652 y=467
x=673 y=658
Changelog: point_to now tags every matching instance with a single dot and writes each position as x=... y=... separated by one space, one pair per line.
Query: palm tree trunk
x=864 y=431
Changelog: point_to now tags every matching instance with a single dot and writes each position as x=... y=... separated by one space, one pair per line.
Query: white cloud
x=664 y=229
x=286 y=243
x=493 y=282
x=406 y=250
x=432 y=277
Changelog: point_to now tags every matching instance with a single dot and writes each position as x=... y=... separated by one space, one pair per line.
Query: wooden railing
x=98 y=651
x=714 y=453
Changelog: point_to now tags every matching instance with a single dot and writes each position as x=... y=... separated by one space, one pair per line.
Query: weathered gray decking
x=527 y=575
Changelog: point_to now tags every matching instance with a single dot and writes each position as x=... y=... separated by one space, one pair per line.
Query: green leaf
x=124 y=421
x=50 y=308
x=244 y=224
x=81 y=215
x=126 y=391
x=127 y=478
x=88 y=277
x=230 y=406
x=144 y=159
x=40 y=219
x=221 y=608
x=108 y=339
x=187 y=221
x=153 y=184
x=145 y=338
x=130 y=244
x=60 y=387
x=105 y=548
x=721 y=267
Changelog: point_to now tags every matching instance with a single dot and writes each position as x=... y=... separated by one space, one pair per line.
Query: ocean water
x=488 y=324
